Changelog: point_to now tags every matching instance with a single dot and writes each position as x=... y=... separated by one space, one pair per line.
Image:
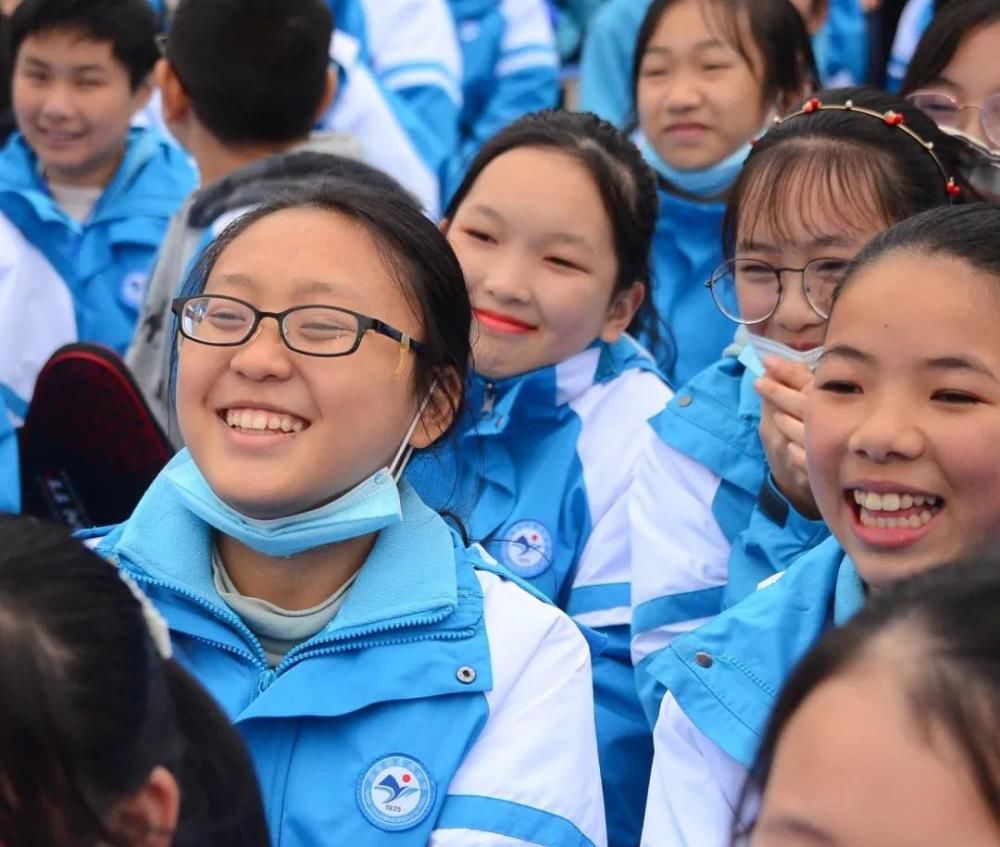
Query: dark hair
x=835 y=154
x=966 y=233
x=255 y=71
x=414 y=251
x=946 y=618
x=950 y=27
x=129 y=26
x=88 y=708
x=776 y=27
x=627 y=186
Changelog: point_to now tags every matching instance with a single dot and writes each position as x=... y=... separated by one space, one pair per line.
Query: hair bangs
x=822 y=189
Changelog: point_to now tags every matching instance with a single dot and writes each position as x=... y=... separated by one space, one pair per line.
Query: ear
x=621 y=312
x=150 y=815
x=443 y=225
x=439 y=412
x=329 y=92
x=176 y=106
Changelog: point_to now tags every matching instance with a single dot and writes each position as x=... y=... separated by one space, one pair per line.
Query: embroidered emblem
x=396 y=793
x=527 y=549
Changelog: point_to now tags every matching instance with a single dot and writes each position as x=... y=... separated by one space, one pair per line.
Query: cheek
x=826 y=447
x=648 y=99
x=196 y=373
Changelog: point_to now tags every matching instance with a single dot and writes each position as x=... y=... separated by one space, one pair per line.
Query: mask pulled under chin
x=759 y=346
x=979 y=164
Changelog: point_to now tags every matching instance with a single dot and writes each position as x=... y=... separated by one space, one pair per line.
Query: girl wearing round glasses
x=814 y=190
x=390 y=682
x=955 y=79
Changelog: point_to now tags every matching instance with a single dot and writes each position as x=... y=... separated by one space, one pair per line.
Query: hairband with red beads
x=889 y=118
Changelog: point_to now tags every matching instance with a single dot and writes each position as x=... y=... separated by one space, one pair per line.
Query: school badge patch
x=527 y=549
x=396 y=793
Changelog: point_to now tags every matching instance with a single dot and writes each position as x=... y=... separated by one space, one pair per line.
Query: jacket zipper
x=489 y=399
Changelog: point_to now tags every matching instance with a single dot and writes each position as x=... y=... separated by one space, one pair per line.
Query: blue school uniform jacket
x=412 y=49
x=444 y=704
x=542 y=473
x=61 y=281
x=687 y=249
x=724 y=679
x=10 y=478
x=510 y=68
x=719 y=526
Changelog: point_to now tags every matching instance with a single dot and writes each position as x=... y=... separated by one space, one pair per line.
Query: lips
x=502 y=323
x=887 y=515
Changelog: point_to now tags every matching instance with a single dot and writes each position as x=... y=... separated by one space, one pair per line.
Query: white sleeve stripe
x=535 y=59
x=620 y=616
x=414 y=76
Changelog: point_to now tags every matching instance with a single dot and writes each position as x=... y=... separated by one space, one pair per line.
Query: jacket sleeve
x=415 y=55
x=679 y=557
x=526 y=73
x=10 y=477
x=532 y=775
x=607 y=58
x=776 y=536
x=694 y=788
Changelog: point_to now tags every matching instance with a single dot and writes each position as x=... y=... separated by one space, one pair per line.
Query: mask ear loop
x=405 y=452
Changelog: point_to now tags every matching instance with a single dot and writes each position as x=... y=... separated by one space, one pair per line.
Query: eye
x=839 y=386
x=955 y=398
x=479 y=235
x=715 y=66
x=563 y=263
x=89 y=83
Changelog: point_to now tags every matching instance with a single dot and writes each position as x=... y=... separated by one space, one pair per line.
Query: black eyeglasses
x=328 y=331
x=749 y=291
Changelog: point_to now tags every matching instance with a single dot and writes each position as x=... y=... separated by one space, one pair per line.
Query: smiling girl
x=552 y=226
x=901 y=429
x=709 y=75
x=380 y=672
x=725 y=498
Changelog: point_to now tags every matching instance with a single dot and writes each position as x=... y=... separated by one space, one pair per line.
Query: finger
x=791 y=428
x=798 y=456
x=793 y=374
x=788 y=400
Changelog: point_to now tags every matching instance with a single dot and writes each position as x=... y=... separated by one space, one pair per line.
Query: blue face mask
x=368 y=507
x=706 y=182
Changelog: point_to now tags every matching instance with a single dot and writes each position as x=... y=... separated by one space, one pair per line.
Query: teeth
x=911 y=522
x=261 y=421
x=906 y=501
x=891 y=501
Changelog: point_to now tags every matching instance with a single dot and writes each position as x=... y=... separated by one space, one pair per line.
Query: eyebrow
x=961 y=363
x=790 y=825
x=300 y=286
x=41 y=63
x=571 y=238
x=707 y=44
x=845 y=351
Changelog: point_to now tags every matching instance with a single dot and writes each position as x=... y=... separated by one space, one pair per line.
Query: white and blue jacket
x=917 y=16
x=365 y=109
x=723 y=680
x=412 y=48
x=10 y=475
x=712 y=525
x=687 y=248
x=510 y=68
x=606 y=65
x=443 y=705
x=542 y=471
x=61 y=281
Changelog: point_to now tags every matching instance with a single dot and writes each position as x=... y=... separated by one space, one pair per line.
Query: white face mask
x=979 y=164
x=762 y=347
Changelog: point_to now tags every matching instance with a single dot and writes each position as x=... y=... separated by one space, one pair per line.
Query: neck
x=216 y=160
x=299 y=582
x=99 y=178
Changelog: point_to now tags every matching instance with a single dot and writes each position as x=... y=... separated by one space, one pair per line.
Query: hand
x=783 y=391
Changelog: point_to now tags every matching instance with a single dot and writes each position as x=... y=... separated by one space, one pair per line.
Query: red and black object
x=90 y=446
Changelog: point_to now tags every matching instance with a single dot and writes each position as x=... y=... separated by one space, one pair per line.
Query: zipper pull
x=489 y=399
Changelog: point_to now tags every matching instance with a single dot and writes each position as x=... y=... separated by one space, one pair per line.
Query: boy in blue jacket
x=84 y=198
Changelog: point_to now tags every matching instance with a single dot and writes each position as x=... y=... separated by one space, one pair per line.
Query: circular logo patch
x=396 y=793
x=527 y=548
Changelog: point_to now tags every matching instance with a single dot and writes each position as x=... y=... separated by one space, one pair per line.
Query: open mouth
x=262 y=421
x=892 y=518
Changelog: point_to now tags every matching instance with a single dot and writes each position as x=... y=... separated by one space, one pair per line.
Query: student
x=386 y=678
x=10 y=477
x=243 y=83
x=814 y=190
x=84 y=200
x=552 y=225
x=510 y=68
x=703 y=92
x=901 y=428
x=609 y=51
x=103 y=738
x=412 y=48
x=887 y=732
x=955 y=80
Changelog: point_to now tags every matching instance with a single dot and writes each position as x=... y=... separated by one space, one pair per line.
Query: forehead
x=67 y=46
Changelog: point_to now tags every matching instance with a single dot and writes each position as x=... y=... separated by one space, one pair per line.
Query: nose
x=506 y=279
x=683 y=92
x=794 y=313
x=264 y=355
x=888 y=432
x=58 y=102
